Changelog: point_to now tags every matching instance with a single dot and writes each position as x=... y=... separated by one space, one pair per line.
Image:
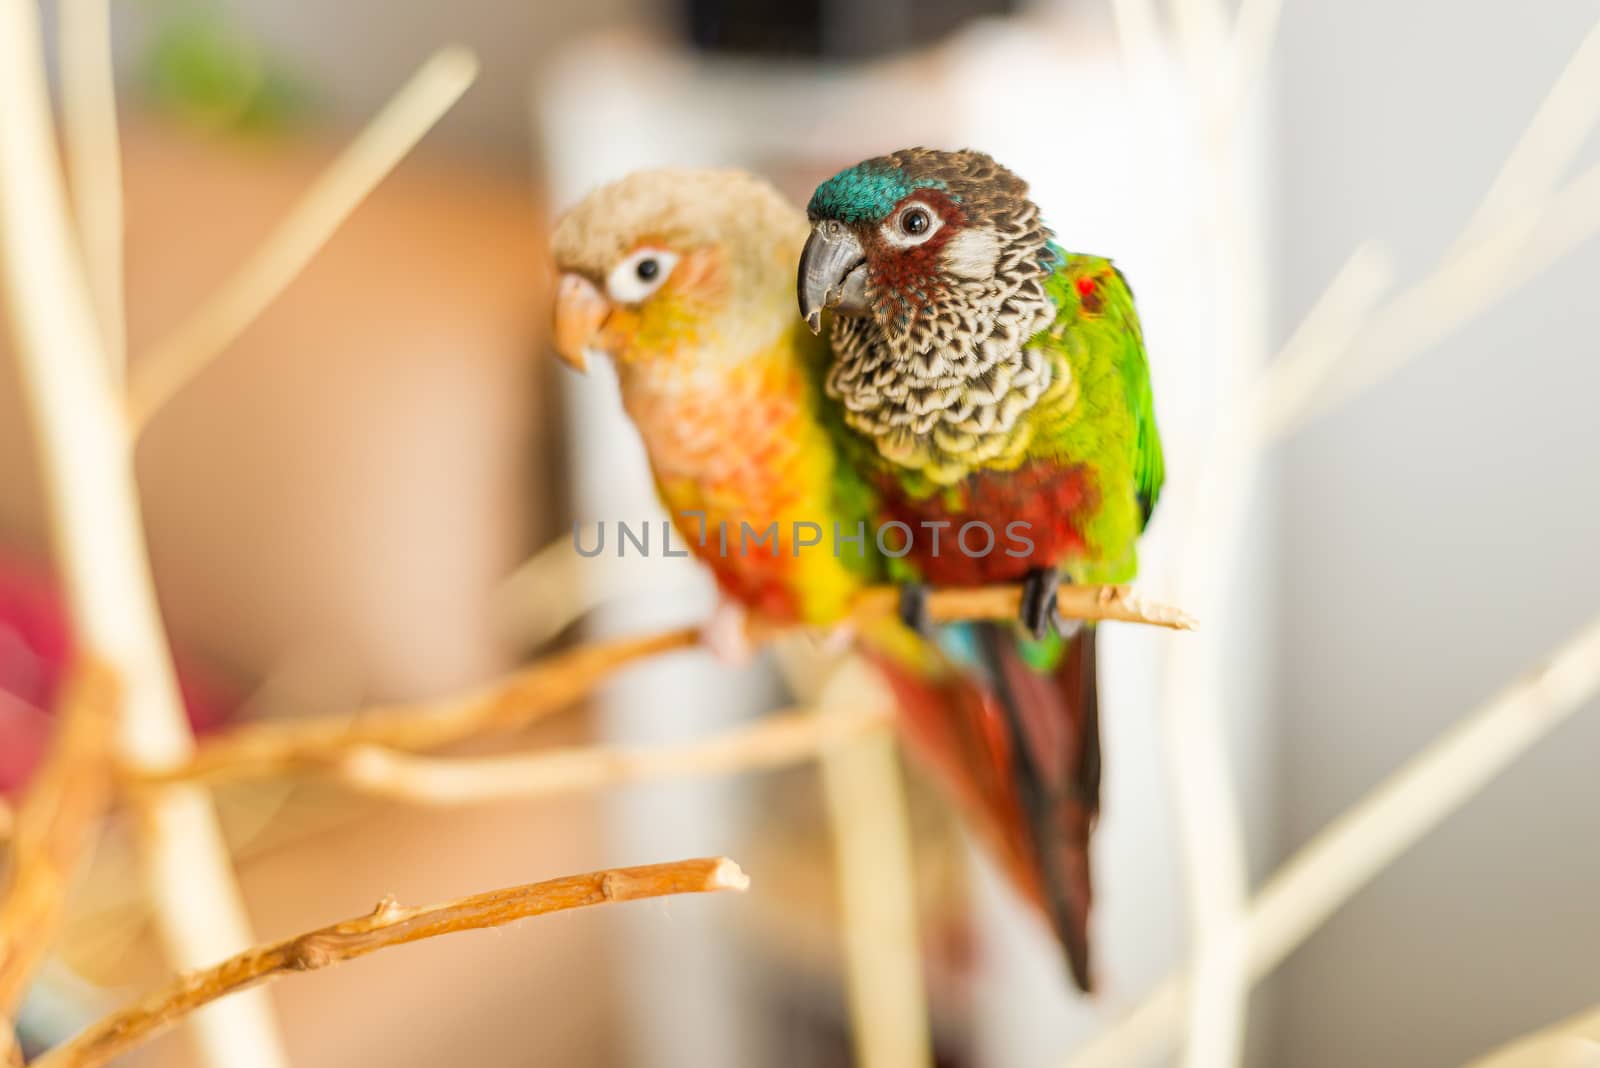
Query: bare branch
x=175 y=360
x=87 y=463
x=390 y=924
x=1572 y=1043
x=1548 y=146
x=1477 y=276
x=873 y=871
x=773 y=741
x=1345 y=856
x=54 y=824
x=93 y=151
x=268 y=750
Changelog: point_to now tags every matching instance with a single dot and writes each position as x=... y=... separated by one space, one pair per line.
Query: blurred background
x=337 y=508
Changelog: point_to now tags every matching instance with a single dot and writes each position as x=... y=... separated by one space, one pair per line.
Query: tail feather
x=1053 y=717
x=1011 y=728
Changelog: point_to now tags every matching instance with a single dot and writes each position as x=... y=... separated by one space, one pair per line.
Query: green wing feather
x=1113 y=312
x=1149 y=465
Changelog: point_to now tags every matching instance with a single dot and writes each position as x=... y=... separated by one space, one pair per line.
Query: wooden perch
x=267 y=750
x=54 y=824
x=389 y=924
x=773 y=741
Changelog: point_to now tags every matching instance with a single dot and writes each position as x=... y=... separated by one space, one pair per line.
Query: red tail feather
x=1020 y=752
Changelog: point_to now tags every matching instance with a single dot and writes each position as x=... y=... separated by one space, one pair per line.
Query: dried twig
x=266 y=750
x=54 y=824
x=89 y=126
x=273 y=749
x=390 y=924
x=87 y=463
x=176 y=359
x=773 y=741
x=1344 y=856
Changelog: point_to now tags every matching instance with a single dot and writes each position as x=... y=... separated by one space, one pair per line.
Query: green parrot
x=684 y=280
x=991 y=381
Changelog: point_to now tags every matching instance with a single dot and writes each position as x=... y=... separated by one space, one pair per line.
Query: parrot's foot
x=1038 y=612
x=914 y=608
x=725 y=635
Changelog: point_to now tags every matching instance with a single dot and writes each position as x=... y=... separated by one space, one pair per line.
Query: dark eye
x=647 y=270
x=914 y=222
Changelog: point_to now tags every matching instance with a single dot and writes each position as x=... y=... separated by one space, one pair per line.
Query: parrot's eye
x=912 y=225
x=640 y=274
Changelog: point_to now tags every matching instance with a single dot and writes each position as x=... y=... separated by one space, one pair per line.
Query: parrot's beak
x=833 y=273
x=581 y=310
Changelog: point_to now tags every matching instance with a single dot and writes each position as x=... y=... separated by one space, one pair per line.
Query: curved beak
x=833 y=273
x=581 y=310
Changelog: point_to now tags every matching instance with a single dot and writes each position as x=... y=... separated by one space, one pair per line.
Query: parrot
x=987 y=376
x=685 y=280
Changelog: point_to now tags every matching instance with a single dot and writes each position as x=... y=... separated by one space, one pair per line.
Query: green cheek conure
x=985 y=375
x=684 y=279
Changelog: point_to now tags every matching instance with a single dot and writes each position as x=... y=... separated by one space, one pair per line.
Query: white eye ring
x=640 y=274
x=894 y=233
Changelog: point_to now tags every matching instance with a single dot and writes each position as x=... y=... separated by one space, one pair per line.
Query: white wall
x=1438 y=537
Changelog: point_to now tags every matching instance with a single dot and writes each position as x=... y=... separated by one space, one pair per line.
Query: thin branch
x=1291 y=381
x=94 y=156
x=268 y=750
x=556 y=587
x=1209 y=819
x=1548 y=146
x=1573 y=1043
x=87 y=463
x=1099 y=603
x=175 y=360
x=54 y=824
x=390 y=924
x=1202 y=34
x=1476 y=277
x=1139 y=39
x=1371 y=834
x=546 y=594
x=773 y=741
x=1254 y=29
x=874 y=873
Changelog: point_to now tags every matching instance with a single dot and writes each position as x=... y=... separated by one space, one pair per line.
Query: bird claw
x=725 y=635
x=914 y=608
x=1037 y=613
